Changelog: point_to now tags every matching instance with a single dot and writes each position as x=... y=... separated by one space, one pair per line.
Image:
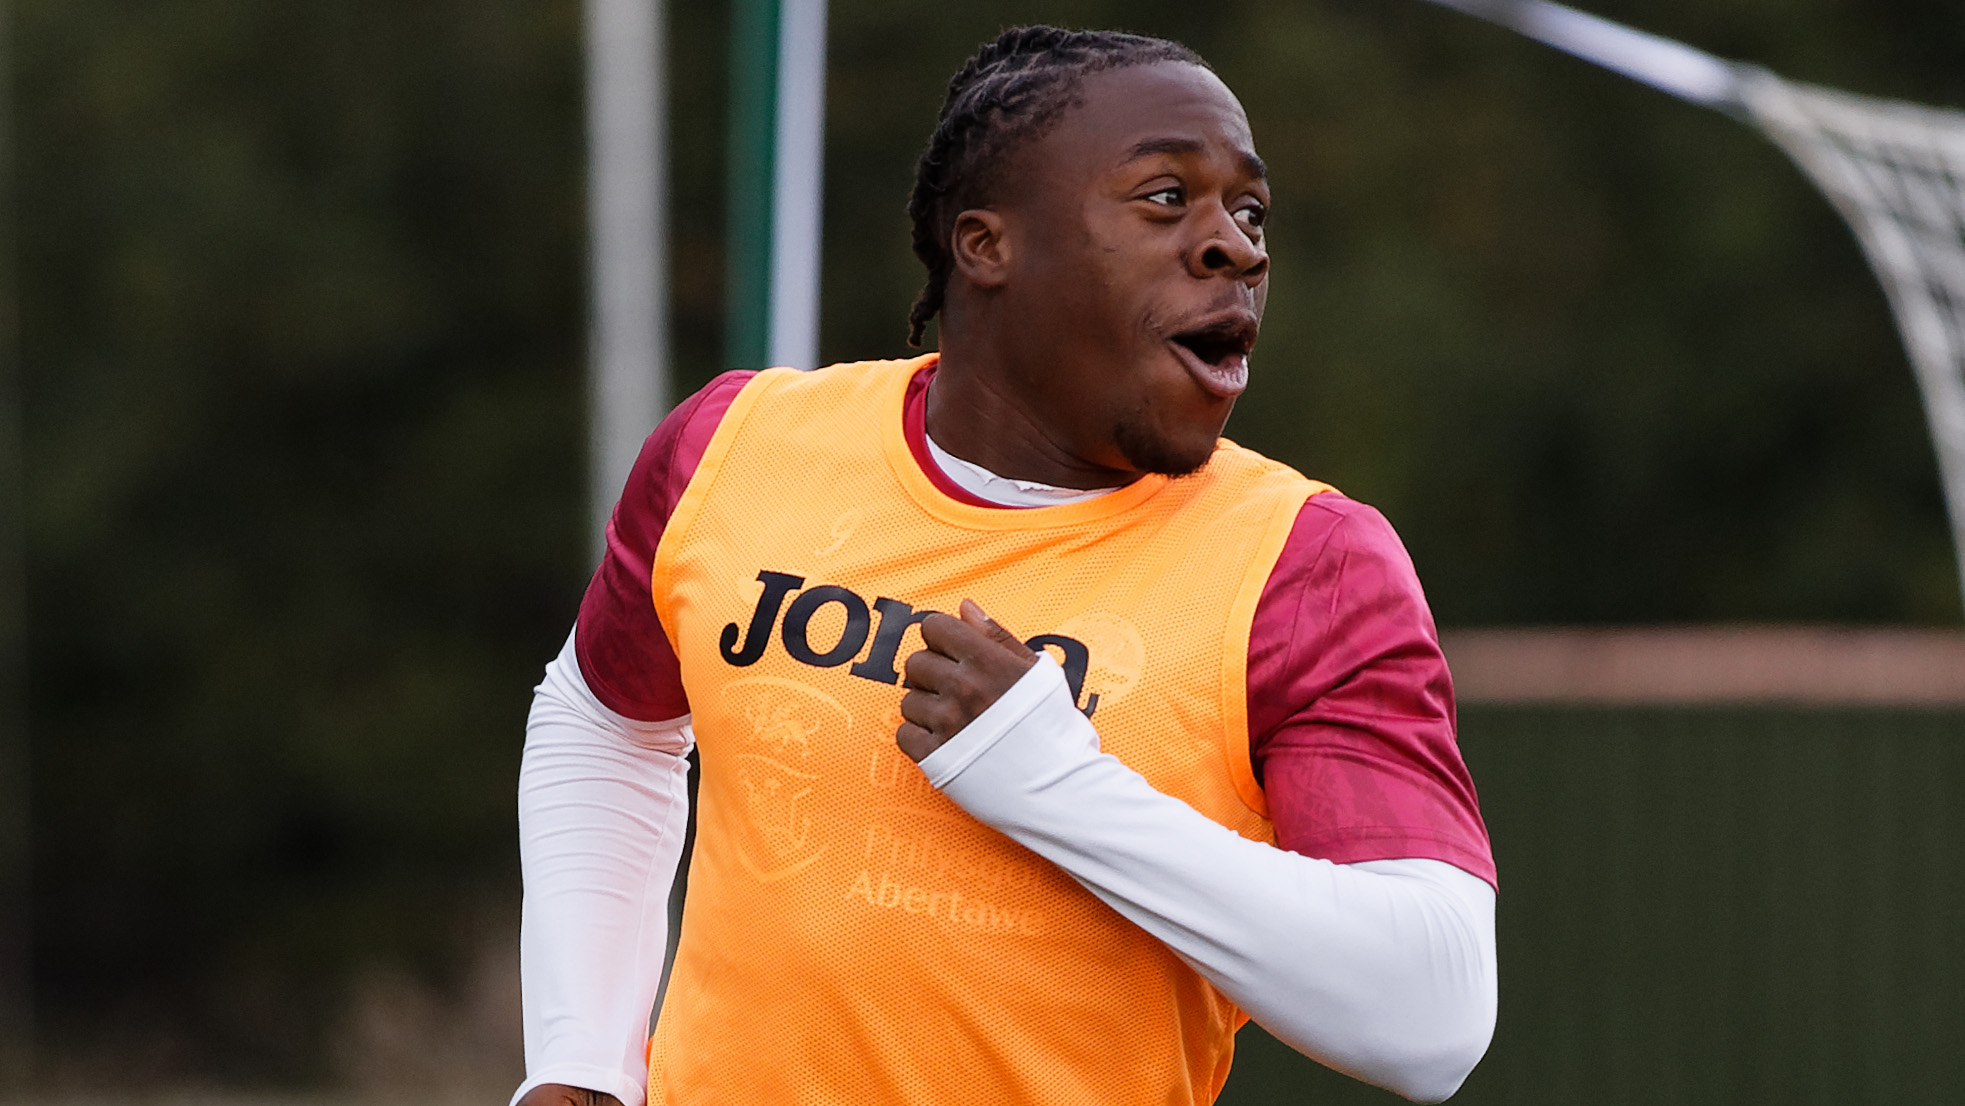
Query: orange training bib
x=851 y=936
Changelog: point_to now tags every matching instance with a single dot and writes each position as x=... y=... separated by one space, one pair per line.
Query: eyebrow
x=1251 y=164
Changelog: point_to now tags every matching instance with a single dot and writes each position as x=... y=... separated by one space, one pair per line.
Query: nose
x=1226 y=250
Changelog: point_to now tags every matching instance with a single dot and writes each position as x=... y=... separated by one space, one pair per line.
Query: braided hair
x=1008 y=94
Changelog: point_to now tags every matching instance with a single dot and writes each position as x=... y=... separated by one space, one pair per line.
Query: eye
x=1252 y=215
x=1170 y=196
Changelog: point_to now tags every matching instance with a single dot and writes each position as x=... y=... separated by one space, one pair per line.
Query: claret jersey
x=851 y=935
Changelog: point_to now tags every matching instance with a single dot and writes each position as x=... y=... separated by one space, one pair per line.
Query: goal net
x=1896 y=172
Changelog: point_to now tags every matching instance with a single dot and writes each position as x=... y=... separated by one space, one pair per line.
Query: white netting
x=1896 y=171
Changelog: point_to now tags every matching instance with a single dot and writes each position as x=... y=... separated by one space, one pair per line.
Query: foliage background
x=300 y=296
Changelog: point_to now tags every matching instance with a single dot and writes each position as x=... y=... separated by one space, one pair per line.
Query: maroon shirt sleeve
x=624 y=655
x=1350 y=704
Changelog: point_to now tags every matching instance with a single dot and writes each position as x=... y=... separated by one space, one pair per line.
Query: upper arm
x=624 y=655
x=1351 y=710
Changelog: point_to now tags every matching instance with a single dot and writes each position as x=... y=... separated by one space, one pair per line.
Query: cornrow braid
x=1009 y=93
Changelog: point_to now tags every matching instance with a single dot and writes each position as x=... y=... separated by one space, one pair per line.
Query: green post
x=752 y=160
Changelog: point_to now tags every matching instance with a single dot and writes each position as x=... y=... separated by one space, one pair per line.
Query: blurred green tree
x=301 y=318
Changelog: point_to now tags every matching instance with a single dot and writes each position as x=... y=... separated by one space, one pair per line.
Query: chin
x=1158 y=453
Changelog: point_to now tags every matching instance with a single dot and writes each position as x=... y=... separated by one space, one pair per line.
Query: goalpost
x=775 y=170
x=1895 y=170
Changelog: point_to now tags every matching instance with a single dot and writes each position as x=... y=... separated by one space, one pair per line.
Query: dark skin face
x=1097 y=328
x=1102 y=305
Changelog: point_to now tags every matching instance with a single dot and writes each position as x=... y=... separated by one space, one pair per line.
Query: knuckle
x=915 y=705
x=918 y=667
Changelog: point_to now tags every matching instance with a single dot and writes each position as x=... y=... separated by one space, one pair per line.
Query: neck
x=977 y=412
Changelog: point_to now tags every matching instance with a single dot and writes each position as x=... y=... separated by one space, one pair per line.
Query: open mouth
x=1218 y=353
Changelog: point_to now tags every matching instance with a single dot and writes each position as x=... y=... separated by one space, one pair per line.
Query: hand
x=559 y=1094
x=969 y=663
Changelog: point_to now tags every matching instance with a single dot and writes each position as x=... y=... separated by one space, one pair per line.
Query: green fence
x=1736 y=906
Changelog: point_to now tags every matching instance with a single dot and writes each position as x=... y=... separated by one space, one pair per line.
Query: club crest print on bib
x=776 y=770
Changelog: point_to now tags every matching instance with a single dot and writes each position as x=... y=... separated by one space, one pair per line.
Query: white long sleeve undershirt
x=1385 y=969
x=603 y=804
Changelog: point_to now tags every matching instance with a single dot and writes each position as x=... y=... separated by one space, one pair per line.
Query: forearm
x=1384 y=971
x=602 y=809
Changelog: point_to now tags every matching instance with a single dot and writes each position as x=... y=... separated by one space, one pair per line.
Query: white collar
x=1001 y=490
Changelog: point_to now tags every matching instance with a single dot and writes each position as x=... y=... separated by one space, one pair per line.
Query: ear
x=981 y=247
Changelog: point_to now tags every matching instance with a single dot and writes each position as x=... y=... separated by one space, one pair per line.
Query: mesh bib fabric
x=850 y=935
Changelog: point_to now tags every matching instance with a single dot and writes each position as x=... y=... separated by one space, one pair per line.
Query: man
x=1196 y=760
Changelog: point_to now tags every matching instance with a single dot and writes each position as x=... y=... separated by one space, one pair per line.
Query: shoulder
x=670 y=455
x=1341 y=596
x=1335 y=535
x=1354 y=587
x=1331 y=532
x=694 y=420
x=844 y=386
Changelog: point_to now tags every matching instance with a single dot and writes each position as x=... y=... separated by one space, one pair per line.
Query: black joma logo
x=880 y=637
